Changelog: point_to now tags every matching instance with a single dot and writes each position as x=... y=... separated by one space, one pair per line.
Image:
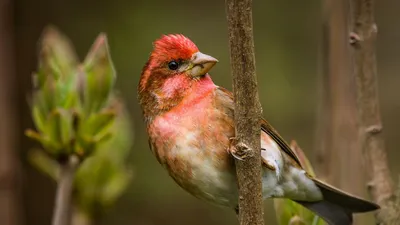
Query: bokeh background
x=287 y=36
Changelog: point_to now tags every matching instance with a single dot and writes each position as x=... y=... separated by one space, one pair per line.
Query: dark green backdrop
x=286 y=39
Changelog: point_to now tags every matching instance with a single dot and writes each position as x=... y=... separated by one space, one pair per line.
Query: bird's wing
x=268 y=129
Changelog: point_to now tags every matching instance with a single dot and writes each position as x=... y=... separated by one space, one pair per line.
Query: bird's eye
x=173 y=65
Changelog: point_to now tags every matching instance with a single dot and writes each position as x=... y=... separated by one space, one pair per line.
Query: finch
x=190 y=124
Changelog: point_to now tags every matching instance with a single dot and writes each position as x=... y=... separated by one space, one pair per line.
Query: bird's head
x=174 y=67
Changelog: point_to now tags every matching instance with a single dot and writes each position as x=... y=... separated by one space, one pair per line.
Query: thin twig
x=363 y=40
x=247 y=111
x=62 y=212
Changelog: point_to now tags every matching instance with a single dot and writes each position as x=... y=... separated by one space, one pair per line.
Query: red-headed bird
x=190 y=123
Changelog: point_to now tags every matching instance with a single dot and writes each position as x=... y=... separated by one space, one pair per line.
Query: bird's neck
x=173 y=93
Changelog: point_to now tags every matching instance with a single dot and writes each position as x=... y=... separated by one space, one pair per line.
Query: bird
x=190 y=125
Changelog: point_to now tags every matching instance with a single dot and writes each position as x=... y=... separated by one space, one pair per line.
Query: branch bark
x=363 y=40
x=338 y=136
x=247 y=111
x=338 y=142
x=63 y=203
x=323 y=141
x=9 y=188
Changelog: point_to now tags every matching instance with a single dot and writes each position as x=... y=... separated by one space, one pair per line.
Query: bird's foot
x=238 y=150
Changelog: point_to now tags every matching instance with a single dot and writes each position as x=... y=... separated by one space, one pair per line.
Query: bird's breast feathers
x=193 y=146
x=194 y=151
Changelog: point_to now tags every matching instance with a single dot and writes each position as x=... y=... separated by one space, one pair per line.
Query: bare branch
x=338 y=149
x=247 y=111
x=372 y=142
x=62 y=210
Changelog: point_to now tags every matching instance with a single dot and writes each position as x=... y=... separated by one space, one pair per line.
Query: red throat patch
x=160 y=88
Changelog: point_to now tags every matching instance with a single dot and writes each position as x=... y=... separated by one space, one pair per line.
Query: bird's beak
x=201 y=64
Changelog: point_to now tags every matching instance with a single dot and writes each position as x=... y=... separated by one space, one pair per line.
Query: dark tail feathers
x=337 y=206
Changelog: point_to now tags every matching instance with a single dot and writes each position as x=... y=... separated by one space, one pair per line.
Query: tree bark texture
x=363 y=40
x=9 y=196
x=247 y=110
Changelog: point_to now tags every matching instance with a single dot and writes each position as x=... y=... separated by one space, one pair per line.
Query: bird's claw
x=238 y=150
x=245 y=151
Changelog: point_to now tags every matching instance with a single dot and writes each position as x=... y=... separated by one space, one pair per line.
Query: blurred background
x=288 y=39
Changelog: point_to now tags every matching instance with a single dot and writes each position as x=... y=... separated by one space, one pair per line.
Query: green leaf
x=44 y=163
x=94 y=131
x=104 y=176
x=66 y=127
x=33 y=135
x=59 y=129
x=50 y=145
x=39 y=117
x=57 y=57
x=98 y=123
x=66 y=95
x=100 y=76
x=45 y=97
x=84 y=146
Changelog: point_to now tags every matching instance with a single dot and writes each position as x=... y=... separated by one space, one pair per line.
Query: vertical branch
x=338 y=147
x=8 y=121
x=363 y=40
x=337 y=138
x=63 y=202
x=344 y=142
x=247 y=110
x=323 y=140
x=344 y=145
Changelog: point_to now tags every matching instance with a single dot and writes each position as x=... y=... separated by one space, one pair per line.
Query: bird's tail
x=337 y=206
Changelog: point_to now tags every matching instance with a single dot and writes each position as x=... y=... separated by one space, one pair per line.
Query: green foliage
x=103 y=176
x=289 y=212
x=71 y=104
x=101 y=179
x=100 y=76
x=76 y=112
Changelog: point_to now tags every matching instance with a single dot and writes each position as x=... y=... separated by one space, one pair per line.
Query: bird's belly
x=210 y=174
x=202 y=173
x=196 y=157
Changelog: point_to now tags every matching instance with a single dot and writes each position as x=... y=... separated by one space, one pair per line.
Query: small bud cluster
x=77 y=113
x=72 y=102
